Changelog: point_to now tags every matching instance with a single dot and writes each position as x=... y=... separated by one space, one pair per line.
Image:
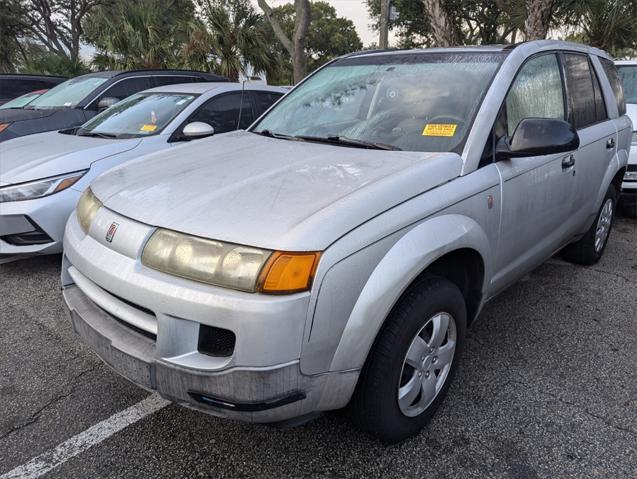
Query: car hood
x=288 y=195
x=11 y=115
x=48 y=154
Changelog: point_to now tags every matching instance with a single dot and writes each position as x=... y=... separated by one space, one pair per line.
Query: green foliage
x=328 y=36
x=11 y=27
x=230 y=36
x=42 y=61
x=140 y=34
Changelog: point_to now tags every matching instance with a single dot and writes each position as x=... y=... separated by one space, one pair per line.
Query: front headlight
x=39 y=188
x=229 y=265
x=87 y=209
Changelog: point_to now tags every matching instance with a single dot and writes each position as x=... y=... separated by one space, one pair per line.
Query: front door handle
x=610 y=143
x=568 y=161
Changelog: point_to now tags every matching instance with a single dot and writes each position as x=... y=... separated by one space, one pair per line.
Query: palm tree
x=140 y=34
x=230 y=38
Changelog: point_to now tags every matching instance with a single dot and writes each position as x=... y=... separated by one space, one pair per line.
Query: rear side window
x=628 y=76
x=173 y=79
x=615 y=83
x=581 y=90
x=537 y=92
x=222 y=112
x=600 y=105
x=265 y=99
x=127 y=87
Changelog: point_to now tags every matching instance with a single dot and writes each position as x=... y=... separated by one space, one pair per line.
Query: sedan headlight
x=229 y=265
x=39 y=188
x=87 y=209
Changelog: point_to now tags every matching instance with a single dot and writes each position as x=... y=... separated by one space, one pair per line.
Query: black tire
x=374 y=407
x=584 y=251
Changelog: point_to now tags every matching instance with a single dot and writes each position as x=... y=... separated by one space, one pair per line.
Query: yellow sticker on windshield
x=148 y=128
x=439 y=129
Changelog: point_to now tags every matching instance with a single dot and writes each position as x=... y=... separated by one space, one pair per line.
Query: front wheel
x=412 y=362
x=590 y=248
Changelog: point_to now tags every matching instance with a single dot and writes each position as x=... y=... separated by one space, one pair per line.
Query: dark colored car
x=14 y=85
x=77 y=100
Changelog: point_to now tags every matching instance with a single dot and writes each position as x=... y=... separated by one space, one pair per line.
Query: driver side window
x=537 y=92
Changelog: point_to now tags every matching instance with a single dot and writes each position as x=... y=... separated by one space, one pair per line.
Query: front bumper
x=147 y=326
x=42 y=218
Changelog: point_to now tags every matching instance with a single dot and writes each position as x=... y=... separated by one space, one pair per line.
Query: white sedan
x=42 y=176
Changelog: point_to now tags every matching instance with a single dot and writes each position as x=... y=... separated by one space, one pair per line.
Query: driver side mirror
x=538 y=137
x=197 y=129
x=106 y=102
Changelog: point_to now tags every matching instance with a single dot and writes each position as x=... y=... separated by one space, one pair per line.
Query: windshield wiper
x=343 y=140
x=271 y=134
x=95 y=134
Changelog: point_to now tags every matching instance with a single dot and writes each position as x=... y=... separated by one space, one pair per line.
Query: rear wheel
x=589 y=249
x=412 y=363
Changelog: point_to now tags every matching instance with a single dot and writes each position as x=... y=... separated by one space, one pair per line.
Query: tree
x=328 y=36
x=57 y=24
x=605 y=24
x=231 y=37
x=441 y=23
x=12 y=26
x=296 y=46
x=140 y=34
x=539 y=13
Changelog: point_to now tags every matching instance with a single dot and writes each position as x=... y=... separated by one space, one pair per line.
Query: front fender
x=408 y=257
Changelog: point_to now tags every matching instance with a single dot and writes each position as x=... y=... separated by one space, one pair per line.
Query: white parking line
x=81 y=442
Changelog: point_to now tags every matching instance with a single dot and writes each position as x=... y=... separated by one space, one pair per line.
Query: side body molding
x=416 y=250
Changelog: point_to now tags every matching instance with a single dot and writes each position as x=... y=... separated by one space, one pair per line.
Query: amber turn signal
x=286 y=273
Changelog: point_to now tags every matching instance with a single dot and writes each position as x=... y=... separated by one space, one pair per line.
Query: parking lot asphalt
x=547 y=387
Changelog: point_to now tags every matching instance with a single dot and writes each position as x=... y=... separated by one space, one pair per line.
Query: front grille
x=128 y=325
x=632 y=167
x=216 y=341
x=38 y=236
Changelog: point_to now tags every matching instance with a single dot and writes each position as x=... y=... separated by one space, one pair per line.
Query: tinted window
x=173 y=79
x=265 y=99
x=580 y=88
x=600 y=106
x=628 y=75
x=536 y=92
x=127 y=87
x=222 y=113
x=12 y=88
x=615 y=83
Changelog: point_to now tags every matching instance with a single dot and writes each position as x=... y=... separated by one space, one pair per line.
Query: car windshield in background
x=413 y=102
x=143 y=114
x=628 y=75
x=67 y=94
x=21 y=101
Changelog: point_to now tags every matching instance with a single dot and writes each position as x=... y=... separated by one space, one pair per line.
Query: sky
x=355 y=10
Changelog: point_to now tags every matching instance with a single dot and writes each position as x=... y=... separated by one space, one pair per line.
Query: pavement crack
x=54 y=400
x=580 y=408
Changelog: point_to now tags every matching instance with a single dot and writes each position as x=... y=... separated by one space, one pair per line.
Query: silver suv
x=334 y=254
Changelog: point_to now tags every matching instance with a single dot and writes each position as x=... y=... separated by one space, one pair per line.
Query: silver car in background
x=43 y=175
x=334 y=254
x=628 y=74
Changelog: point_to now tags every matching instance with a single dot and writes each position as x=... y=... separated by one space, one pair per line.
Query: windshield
x=67 y=94
x=628 y=75
x=142 y=114
x=22 y=100
x=414 y=102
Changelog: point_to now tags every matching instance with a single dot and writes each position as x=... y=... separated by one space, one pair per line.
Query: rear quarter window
x=615 y=83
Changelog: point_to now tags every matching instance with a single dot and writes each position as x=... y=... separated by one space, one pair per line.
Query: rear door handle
x=610 y=143
x=568 y=161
